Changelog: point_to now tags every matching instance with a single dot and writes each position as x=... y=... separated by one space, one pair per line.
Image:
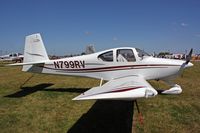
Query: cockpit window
x=141 y=53
x=107 y=56
x=125 y=55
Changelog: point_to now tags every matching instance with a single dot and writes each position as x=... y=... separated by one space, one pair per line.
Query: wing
x=125 y=88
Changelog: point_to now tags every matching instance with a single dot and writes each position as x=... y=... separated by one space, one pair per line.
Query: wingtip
x=82 y=97
x=78 y=98
x=75 y=99
x=15 y=64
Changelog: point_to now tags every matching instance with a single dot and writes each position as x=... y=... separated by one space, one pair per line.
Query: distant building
x=178 y=56
x=196 y=57
x=171 y=55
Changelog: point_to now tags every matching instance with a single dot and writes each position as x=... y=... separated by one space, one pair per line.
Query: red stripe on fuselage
x=114 y=68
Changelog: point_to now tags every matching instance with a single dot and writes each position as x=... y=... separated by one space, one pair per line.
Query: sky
x=68 y=26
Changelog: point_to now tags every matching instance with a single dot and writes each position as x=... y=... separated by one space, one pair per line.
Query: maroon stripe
x=127 y=89
x=85 y=71
x=115 y=91
x=113 y=67
x=116 y=68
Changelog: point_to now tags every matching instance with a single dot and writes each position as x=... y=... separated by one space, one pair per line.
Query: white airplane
x=126 y=69
x=12 y=57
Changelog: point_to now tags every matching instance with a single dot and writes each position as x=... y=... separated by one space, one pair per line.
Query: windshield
x=141 y=53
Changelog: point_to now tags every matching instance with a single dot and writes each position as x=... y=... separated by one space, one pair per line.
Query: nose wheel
x=174 y=90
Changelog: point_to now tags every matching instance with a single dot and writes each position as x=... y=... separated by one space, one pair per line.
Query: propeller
x=188 y=58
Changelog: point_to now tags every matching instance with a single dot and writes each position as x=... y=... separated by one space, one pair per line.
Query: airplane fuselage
x=90 y=66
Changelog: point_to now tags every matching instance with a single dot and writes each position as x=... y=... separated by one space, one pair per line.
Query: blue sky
x=67 y=26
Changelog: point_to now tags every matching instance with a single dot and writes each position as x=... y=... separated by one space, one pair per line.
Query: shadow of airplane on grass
x=28 y=90
x=72 y=90
x=41 y=87
x=106 y=117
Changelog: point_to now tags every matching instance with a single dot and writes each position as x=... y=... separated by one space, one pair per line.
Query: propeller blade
x=189 y=56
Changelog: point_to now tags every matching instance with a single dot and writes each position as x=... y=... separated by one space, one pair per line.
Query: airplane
x=12 y=57
x=126 y=70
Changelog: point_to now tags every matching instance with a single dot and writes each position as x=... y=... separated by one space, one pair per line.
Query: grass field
x=43 y=104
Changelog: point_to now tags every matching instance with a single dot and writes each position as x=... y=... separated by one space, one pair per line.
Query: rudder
x=34 y=50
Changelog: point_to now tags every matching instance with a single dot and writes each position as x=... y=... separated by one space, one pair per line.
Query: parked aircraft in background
x=90 y=49
x=126 y=69
x=17 y=57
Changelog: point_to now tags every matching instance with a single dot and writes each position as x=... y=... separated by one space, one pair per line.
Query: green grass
x=44 y=104
x=42 y=111
x=174 y=113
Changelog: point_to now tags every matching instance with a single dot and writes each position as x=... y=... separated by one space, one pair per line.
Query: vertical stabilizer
x=34 y=50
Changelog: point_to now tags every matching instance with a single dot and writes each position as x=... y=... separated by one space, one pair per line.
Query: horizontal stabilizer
x=28 y=63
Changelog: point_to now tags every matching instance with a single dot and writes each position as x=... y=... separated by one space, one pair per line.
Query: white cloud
x=184 y=24
x=87 y=33
x=197 y=35
x=115 y=38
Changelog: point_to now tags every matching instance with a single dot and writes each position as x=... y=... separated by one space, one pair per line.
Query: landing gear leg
x=140 y=118
x=101 y=82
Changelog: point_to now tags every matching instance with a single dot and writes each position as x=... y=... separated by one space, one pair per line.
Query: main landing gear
x=140 y=118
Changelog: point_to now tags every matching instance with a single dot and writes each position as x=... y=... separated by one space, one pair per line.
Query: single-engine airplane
x=126 y=69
